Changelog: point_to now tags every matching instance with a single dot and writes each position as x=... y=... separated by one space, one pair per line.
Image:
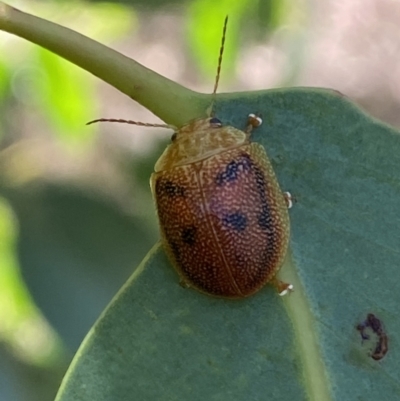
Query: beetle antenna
x=118 y=120
x=221 y=52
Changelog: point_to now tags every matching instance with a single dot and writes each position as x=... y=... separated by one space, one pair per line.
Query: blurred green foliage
x=247 y=19
x=19 y=319
x=66 y=94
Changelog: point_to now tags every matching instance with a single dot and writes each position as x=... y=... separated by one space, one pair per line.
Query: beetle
x=223 y=217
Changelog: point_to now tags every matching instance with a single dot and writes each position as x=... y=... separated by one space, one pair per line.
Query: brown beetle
x=223 y=217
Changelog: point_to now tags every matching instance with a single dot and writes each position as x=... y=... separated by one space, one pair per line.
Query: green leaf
x=158 y=341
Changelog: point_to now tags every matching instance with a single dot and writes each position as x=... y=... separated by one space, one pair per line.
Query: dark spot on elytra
x=233 y=169
x=260 y=182
x=188 y=235
x=269 y=253
x=237 y=221
x=169 y=188
x=264 y=218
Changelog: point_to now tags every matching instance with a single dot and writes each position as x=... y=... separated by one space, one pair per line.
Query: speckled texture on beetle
x=223 y=217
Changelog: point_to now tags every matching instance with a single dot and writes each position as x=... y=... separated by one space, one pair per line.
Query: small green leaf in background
x=66 y=96
x=157 y=340
x=21 y=325
x=4 y=78
x=204 y=25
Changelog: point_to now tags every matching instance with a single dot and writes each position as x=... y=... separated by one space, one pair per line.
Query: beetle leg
x=282 y=287
x=253 y=121
x=289 y=199
x=183 y=283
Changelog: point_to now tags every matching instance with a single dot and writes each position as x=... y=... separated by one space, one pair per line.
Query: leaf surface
x=157 y=340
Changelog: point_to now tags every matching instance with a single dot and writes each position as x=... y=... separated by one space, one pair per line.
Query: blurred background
x=76 y=215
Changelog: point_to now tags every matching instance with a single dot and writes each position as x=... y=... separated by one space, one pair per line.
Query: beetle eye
x=215 y=122
x=173 y=137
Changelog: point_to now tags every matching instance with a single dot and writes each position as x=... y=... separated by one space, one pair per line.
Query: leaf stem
x=315 y=373
x=172 y=102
